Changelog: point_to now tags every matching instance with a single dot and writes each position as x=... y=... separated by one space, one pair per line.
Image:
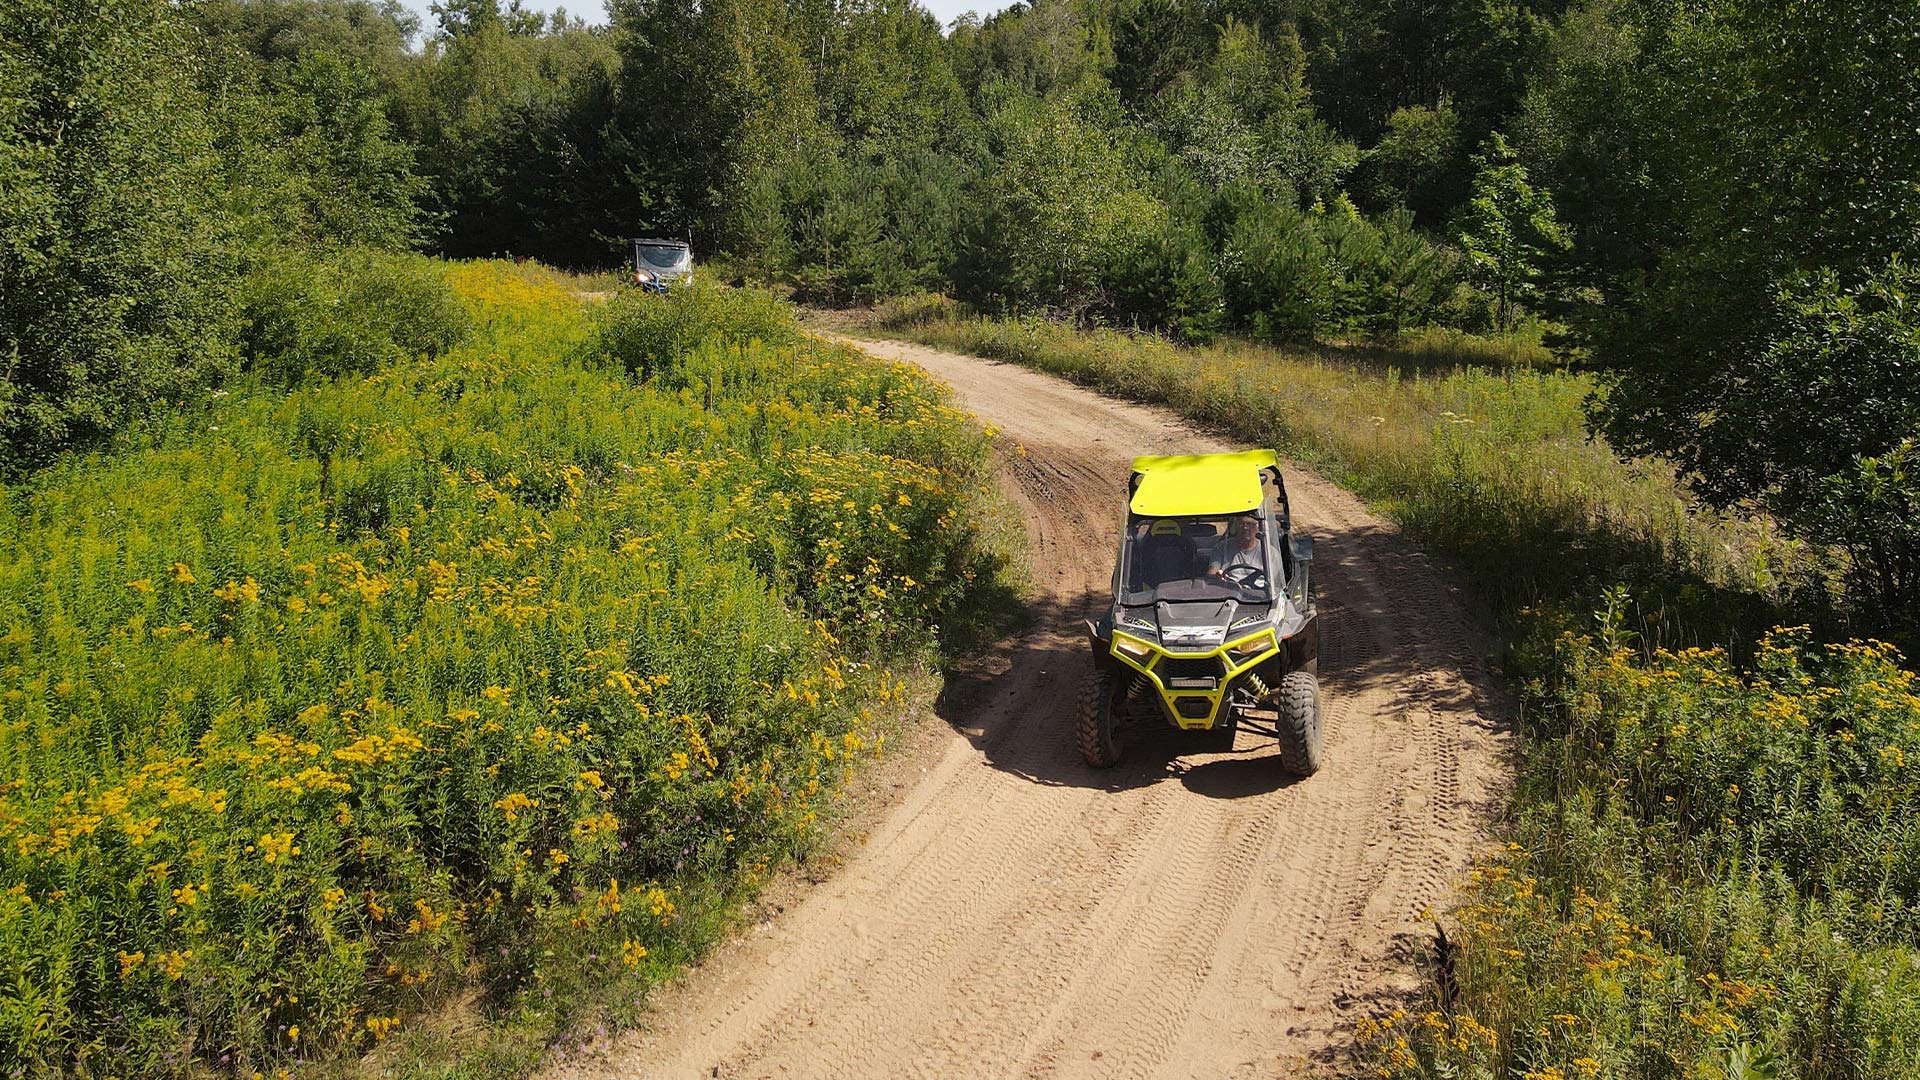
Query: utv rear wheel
x=1300 y=749
x=1101 y=701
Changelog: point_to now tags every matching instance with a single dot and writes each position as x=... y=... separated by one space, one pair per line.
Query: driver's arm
x=1213 y=561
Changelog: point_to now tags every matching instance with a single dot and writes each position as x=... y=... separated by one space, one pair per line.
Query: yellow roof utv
x=1213 y=619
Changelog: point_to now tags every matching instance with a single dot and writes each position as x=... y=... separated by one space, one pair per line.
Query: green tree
x=301 y=92
x=1165 y=279
x=1413 y=156
x=1591 y=128
x=115 y=247
x=1370 y=59
x=1760 y=336
x=713 y=102
x=1037 y=50
x=1508 y=230
x=835 y=218
x=1061 y=200
x=1244 y=118
x=1155 y=42
x=511 y=126
x=1826 y=422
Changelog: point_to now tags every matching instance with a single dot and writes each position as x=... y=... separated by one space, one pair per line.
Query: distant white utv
x=658 y=264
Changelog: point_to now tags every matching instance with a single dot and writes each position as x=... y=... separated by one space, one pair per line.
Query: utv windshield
x=1187 y=559
x=661 y=256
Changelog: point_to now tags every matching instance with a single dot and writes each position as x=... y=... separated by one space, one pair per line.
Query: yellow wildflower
x=277 y=846
x=234 y=591
x=513 y=803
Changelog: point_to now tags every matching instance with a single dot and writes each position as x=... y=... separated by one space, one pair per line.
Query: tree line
x=1715 y=200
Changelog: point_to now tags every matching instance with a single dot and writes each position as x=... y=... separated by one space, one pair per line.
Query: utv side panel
x=1303 y=648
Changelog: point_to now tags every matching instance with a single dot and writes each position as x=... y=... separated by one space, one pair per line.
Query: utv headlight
x=1128 y=647
x=1253 y=647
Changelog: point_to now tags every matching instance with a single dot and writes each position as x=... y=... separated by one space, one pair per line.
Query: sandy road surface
x=1190 y=914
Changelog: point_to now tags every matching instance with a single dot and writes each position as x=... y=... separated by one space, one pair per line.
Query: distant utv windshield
x=662 y=256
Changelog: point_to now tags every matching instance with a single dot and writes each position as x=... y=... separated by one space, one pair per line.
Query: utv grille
x=1200 y=673
x=1193 y=708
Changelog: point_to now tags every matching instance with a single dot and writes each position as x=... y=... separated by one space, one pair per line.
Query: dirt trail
x=1189 y=914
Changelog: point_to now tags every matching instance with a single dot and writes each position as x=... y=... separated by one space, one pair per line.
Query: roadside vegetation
x=501 y=658
x=1710 y=871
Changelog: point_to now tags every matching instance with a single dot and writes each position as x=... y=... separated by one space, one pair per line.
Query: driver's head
x=1245 y=530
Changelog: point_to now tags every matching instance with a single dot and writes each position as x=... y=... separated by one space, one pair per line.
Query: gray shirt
x=1225 y=553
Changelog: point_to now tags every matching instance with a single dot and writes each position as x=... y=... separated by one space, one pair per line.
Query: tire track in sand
x=1192 y=913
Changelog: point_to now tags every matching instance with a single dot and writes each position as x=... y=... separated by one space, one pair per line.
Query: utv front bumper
x=1194 y=687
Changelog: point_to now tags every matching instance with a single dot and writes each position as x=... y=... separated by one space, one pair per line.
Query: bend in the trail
x=1191 y=913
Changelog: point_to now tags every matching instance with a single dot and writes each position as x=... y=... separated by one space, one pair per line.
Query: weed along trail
x=1191 y=913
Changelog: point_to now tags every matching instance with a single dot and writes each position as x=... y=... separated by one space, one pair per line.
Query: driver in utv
x=1213 y=618
x=1238 y=554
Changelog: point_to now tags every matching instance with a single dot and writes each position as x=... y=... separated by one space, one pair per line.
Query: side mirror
x=1303 y=548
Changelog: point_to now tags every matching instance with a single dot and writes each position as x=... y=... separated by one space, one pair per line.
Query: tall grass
x=497 y=668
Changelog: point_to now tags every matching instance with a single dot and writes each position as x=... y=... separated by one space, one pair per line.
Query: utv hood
x=1204 y=625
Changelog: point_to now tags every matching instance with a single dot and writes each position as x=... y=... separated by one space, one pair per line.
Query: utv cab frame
x=1213 y=618
x=654 y=264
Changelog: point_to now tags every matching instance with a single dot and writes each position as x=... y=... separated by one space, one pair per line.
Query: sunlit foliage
x=328 y=700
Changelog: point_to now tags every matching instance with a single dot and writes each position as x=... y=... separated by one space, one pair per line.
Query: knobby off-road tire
x=1101 y=699
x=1300 y=741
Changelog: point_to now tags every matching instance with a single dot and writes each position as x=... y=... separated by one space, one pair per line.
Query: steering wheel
x=1244 y=576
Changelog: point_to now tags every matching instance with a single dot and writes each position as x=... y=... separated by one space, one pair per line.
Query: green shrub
x=1416 y=281
x=1872 y=509
x=1166 y=281
x=1279 y=275
x=350 y=313
x=1296 y=275
x=1814 y=416
x=644 y=332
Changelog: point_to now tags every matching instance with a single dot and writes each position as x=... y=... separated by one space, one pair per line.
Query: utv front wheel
x=1300 y=749
x=1101 y=700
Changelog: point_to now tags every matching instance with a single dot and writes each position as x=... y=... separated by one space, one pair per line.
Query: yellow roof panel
x=1185 y=485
